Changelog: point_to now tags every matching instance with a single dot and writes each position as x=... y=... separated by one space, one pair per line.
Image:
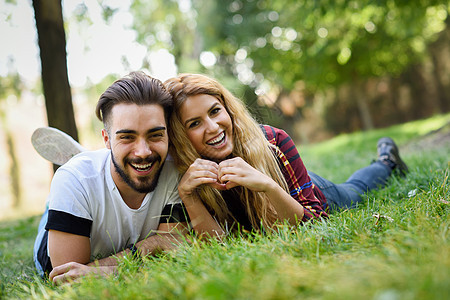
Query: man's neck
x=132 y=198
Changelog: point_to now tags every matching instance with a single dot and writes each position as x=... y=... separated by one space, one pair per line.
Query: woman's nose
x=211 y=125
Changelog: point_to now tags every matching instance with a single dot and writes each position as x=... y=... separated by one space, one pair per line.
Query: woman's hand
x=237 y=172
x=202 y=171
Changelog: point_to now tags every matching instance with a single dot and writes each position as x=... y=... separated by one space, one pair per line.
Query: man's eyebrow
x=125 y=131
x=159 y=128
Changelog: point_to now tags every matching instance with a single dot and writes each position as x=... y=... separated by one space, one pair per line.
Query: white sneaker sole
x=55 y=145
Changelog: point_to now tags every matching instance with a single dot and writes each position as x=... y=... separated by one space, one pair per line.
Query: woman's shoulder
x=273 y=133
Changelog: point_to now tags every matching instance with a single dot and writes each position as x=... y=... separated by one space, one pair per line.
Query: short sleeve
x=69 y=210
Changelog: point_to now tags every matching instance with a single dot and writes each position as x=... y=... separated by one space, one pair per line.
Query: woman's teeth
x=219 y=139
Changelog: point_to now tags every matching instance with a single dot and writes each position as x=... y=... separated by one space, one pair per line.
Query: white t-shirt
x=84 y=200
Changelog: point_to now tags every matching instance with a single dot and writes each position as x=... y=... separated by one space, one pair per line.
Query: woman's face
x=208 y=126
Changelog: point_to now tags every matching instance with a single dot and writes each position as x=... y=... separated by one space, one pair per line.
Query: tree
x=52 y=45
x=11 y=85
x=323 y=44
x=326 y=44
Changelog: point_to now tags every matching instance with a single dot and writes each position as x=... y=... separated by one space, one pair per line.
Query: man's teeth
x=142 y=167
x=217 y=139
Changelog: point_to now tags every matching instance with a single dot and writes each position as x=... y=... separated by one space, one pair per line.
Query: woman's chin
x=217 y=157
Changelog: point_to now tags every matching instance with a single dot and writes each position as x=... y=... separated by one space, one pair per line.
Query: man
x=107 y=203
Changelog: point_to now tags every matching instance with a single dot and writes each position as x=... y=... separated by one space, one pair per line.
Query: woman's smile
x=208 y=126
x=218 y=140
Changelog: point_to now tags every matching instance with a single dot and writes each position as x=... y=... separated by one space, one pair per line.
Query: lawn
x=395 y=246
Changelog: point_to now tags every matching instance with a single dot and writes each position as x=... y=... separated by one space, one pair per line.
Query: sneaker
x=55 y=145
x=388 y=154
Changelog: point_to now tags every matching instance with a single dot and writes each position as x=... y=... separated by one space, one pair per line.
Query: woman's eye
x=193 y=124
x=215 y=111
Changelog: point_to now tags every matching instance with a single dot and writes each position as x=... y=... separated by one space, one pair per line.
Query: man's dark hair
x=135 y=88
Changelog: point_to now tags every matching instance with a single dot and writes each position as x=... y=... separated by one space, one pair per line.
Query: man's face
x=138 y=141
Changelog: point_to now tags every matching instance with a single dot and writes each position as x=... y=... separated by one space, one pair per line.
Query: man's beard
x=146 y=184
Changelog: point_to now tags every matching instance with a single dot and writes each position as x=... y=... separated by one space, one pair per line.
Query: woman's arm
x=237 y=172
x=300 y=185
x=200 y=172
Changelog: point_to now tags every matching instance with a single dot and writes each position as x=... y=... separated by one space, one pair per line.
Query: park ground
x=395 y=246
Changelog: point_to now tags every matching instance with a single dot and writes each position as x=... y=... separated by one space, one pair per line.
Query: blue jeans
x=348 y=194
x=38 y=241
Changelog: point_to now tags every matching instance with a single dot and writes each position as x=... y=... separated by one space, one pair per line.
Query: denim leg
x=348 y=194
x=38 y=241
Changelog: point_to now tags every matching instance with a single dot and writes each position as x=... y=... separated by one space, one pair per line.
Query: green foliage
x=395 y=245
x=11 y=85
x=328 y=43
x=163 y=24
x=323 y=43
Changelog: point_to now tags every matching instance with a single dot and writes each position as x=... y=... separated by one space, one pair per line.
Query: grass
x=395 y=246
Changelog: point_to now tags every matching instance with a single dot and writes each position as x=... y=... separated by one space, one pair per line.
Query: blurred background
x=313 y=68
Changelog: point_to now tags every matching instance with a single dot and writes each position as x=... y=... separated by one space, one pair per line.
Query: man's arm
x=168 y=237
x=70 y=253
x=65 y=247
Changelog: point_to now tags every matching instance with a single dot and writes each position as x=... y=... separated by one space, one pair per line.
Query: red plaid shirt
x=300 y=185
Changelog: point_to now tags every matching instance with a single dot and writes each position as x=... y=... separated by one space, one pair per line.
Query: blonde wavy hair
x=249 y=143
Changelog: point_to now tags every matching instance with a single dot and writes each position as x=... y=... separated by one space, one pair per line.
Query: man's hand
x=72 y=271
x=169 y=237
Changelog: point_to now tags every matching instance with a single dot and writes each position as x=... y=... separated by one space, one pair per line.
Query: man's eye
x=157 y=135
x=126 y=137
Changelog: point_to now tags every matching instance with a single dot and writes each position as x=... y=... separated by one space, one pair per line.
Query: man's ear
x=106 y=138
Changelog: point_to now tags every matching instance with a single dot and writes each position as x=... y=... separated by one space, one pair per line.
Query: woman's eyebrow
x=209 y=109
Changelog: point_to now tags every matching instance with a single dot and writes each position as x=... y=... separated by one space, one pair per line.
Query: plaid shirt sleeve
x=300 y=185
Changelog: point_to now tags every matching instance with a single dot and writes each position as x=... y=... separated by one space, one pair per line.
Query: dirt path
x=439 y=138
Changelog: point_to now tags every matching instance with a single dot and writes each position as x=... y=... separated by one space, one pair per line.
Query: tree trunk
x=363 y=107
x=52 y=44
x=14 y=171
x=14 y=168
x=440 y=89
x=420 y=105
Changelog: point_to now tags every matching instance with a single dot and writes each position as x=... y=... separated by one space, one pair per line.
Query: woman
x=238 y=173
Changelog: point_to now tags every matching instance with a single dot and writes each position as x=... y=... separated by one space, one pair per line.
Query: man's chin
x=147 y=184
x=144 y=187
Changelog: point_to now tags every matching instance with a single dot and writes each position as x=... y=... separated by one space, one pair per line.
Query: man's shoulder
x=80 y=182
x=87 y=163
x=169 y=172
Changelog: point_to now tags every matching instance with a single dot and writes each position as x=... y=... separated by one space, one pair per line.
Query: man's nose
x=142 y=148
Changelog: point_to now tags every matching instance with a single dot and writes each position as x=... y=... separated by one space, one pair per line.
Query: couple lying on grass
x=224 y=172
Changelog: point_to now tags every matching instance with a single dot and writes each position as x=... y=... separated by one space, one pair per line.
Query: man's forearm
x=156 y=244
x=150 y=246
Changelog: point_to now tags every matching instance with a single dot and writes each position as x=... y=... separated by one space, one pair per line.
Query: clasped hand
x=225 y=175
